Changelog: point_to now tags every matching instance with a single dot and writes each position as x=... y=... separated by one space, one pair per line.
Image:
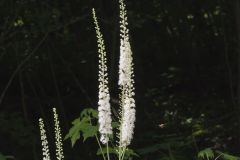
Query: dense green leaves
x=83 y=126
x=89 y=131
x=89 y=112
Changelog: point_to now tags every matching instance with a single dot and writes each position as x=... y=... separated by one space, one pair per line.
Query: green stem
x=123 y=153
x=119 y=153
x=99 y=144
x=108 y=152
x=100 y=147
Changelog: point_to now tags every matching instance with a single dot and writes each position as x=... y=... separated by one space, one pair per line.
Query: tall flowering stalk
x=58 y=136
x=126 y=83
x=104 y=108
x=45 y=149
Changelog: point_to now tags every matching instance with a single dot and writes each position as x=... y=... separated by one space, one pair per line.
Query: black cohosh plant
x=126 y=82
x=126 y=115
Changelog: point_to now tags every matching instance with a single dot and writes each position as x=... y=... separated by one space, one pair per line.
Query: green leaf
x=89 y=112
x=206 y=153
x=73 y=129
x=76 y=121
x=74 y=132
x=89 y=131
x=81 y=126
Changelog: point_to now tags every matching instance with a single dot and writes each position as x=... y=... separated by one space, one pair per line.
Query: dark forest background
x=186 y=56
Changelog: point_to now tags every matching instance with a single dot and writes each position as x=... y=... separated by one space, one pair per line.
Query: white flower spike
x=104 y=107
x=58 y=136
x=45 y=149
x=126 y=81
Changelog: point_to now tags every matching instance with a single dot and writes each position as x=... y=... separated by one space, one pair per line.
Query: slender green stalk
x=99 y=144
x=108 y=152
x=123 y=153
x=119 y=153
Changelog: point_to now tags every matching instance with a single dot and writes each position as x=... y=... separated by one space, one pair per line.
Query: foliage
x=83 y=125
x=209 y=154
x=206 y=153
x=86 y=125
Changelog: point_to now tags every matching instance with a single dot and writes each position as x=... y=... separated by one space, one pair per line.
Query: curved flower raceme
x=126 y=81
x=104 y=108
x=45 y=149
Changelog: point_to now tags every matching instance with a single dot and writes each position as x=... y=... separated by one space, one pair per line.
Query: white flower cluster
x=45 y=149
x=125 y=63
x=126 y=81
x=58 y=136
x=104 y=108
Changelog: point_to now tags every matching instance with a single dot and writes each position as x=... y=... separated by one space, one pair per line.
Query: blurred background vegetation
x=187 y=73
